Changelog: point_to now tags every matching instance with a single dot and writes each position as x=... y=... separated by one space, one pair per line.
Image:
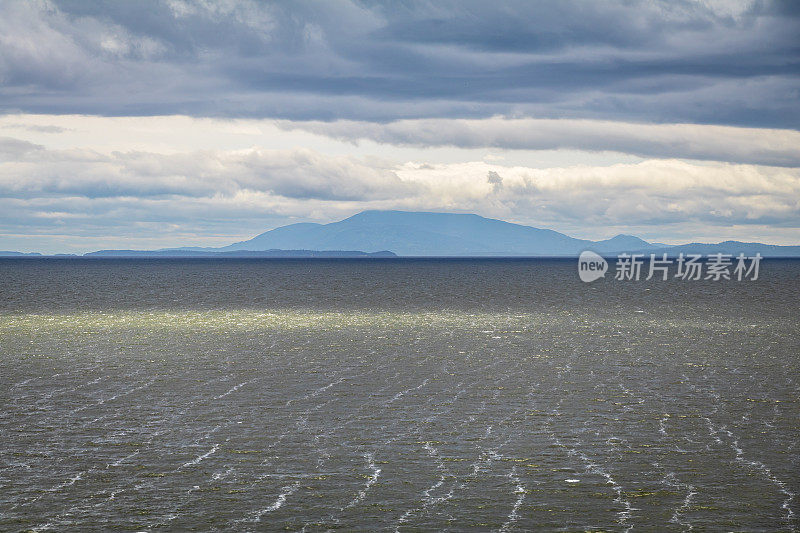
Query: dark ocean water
x=405 y=395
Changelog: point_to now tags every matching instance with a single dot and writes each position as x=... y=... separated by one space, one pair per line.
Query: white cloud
x=654 y=192
x=29 y=171
x=689 y=141
x=207 y=197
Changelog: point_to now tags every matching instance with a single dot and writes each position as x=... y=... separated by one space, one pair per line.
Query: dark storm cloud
x=677 y=61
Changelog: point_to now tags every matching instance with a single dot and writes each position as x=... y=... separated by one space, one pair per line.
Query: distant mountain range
x=431 y=234
x=404 y=233
x=238 y=253
x=6 y=253
x=450 y=234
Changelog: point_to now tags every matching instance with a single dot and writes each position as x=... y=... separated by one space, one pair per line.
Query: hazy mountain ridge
x=288 y=254
x=422 y=234
x=8 y=253
x=730 y=247
x=451 y=234
x=426 y=234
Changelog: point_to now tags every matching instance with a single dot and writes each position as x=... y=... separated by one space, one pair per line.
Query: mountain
x=429 y=234
x=622 y=243
x=730 y=247
x=4 y=253
x=237 y=253
x=451 y=234
x=406 y=233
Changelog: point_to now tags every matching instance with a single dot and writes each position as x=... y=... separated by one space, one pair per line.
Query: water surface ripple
x=399 y=395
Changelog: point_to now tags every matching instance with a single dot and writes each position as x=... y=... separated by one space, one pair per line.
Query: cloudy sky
x=137 y=124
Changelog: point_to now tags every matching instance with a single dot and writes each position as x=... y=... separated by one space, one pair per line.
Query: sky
x=153 y=124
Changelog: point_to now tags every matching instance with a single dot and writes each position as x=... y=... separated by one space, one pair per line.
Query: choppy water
x=397 y=395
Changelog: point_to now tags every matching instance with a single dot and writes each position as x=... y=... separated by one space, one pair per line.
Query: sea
x=394 y=395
